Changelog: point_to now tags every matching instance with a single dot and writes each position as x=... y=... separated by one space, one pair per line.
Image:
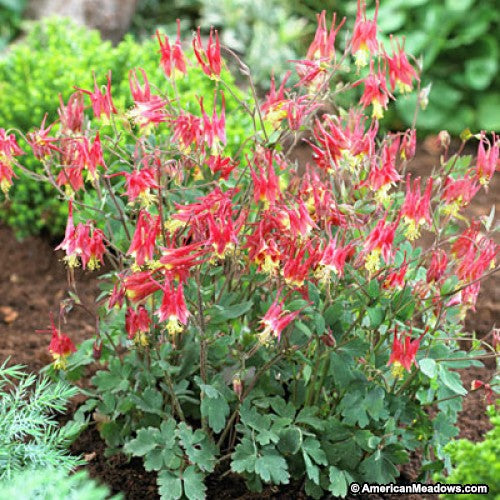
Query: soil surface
x=33 y=281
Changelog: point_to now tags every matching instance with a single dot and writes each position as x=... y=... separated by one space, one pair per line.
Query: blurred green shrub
x=476 y=463
x=53 y=484
x=10 y=20
x=56 y=56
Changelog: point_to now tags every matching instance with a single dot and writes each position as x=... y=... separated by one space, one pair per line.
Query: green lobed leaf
x=170 y=486
x=194 y=487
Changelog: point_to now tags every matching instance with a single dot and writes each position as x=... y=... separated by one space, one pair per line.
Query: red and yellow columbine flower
x=275 y=321
x=401 y=72
x=172 y=58
x=364 y=37
x=102 y=102
x=376 y=93
x=71 y=116
x=404 y=351
x=8 y=149
x=137 y=324
x=265 y=183
x=60 y=346
x=437 y=267
x=396 y=277
x=380 y=179
x=333 y=259
x=139 y=184
x=143 y=242
x=416 y=207
x=209 y=59
x=379 y=244
x=214 y=130
x=458 y=194
x=140 y=285
x=487 y=160
x=173 y=308
x=275 y=107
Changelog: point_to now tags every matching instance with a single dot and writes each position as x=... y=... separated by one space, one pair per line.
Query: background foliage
x=457 y=40
x=10 y=19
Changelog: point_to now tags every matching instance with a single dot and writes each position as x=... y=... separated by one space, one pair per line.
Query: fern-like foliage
x=30 y=436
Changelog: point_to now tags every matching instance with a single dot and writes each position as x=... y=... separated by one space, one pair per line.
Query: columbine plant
x=279 y=320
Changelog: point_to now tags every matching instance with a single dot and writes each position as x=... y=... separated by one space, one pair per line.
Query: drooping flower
x=140 y=285
x=41 y=142
x=409 y=144
x=380 y=179
x=333 y=259
x=139 y=184
x=275 y=107
x=214 y=130
x=209 y=59
x=379 y=244
x=437 y=267
x=458 y=193
x=75 y=242
x=8 y=149
x=96 y=250
x=102 y=102
x=396 y=277
x=71 y=116
x=487 y=160
x=137 y=324
x=376 y=93
x=275 y=321
x=265 y=180
x=404 y=351
x=364 y=37
x=401 y=72
x=143 y=243
x=173 y=308
x=323 y=45
x=172 y=58
x=488 y=391
x=60 y=346
x=416 y=207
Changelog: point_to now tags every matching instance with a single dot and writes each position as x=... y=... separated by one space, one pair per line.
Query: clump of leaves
x=30 y=436
x=475 y=463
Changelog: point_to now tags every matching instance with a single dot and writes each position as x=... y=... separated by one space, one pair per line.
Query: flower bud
x=444 y=138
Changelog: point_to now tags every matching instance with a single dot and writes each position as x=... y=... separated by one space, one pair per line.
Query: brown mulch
x=33 y=281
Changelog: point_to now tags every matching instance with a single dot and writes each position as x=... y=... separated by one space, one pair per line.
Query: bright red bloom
x=488 y=391
x=437 y=267
x=323 y=45
x=140 y=285
x=209 y=59
x=102 y=102
x=416 y=207
x=379 y=243
x=71 y=115
x=215 y=129
x=96 y=250
x=275 y=320
x=265 y=184
x=223 y=164
x=188 y=130
x=143 y=243
x=116 y=297
x=404 y=351
x=469 y=238
x=178 y=261
x=333 y=258
x=381 y=179
x=396 y=277
x=409 y=144
x=8 y=149
x=364 y=37
x=274 y=108
x=401 y=72
x=139 y=185
x=487 y=160
x=75 y=240
x=137 y=324
x=41 y=142
x=149 y=109
x=458 y=194
x=172 y=58
x=297 y=266
x=173 y=308
x=376 y=93
x=60 y=346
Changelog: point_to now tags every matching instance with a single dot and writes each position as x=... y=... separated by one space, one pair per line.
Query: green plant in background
x=264 y=32
x=30 y=437
x=53 y=484
x=56 y=56
x=10 y=20
x=476 y=463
